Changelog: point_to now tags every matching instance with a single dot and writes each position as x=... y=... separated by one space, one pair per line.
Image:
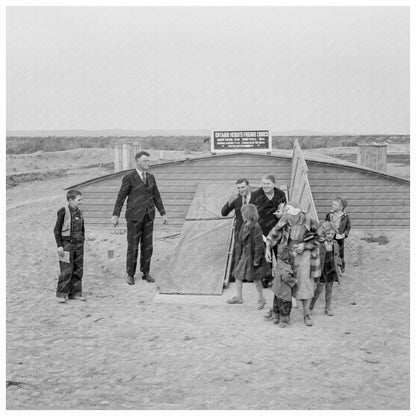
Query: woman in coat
x=291 y=230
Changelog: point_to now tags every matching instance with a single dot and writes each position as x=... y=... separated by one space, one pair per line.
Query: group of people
x=143 y=198
x=277 y=238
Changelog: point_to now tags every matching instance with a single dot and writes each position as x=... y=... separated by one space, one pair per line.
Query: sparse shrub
x=381 y=240
x=22 y=145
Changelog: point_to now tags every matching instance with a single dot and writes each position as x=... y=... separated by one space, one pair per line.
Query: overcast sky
x=326 y=69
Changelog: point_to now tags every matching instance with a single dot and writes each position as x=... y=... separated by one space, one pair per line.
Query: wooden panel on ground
x=209 y=199
x=198 y=263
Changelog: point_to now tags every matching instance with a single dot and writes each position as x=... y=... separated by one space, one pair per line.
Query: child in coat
x=69 y=234
x=283 y=286
x=342 y=221
x=250 y=263
x=330 y=262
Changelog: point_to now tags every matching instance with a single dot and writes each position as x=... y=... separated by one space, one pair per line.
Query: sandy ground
x=122 y=350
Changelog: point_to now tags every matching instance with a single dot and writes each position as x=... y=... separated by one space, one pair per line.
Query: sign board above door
x=240 y=141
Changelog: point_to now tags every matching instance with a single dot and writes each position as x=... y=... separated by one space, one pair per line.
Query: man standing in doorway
x=140 y=189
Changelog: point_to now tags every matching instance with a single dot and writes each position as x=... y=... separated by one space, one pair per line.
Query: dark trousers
x=281 y=308
x=139 y=232
x=70 y=278
x=341 y=253
x=328 y=294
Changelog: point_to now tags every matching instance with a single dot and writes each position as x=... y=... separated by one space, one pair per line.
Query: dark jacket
x=60 y=215
x=266 y=207
x=336 y=262
x=141 y=198
x=249 y=250
x=344 y=224
x=236 y=206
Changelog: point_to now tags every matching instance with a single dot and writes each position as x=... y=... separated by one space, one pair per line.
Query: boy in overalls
x=70 y=235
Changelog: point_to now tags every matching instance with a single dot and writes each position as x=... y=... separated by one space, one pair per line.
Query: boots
x=276 y=318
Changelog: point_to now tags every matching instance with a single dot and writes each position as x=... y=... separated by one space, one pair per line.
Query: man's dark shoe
x=130 y=279
x=146 y=276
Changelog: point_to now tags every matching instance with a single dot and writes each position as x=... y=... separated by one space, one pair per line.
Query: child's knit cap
x=342 y=201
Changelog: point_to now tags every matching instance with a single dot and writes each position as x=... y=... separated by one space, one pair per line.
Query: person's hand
x=268 y=255
x=60 y=251
x=114 y=220
x=339 y=236
x=256 y=264
x=299 y=248
x=232 y=199
x=164 y=219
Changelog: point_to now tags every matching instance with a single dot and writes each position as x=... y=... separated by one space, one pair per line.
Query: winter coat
x=249 y=250
x=266 y=207
x=284 y=280
x=337 y=261
x=344 y=223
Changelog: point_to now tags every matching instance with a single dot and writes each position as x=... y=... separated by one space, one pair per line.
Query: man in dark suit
x=236 y=202
x=140 y=189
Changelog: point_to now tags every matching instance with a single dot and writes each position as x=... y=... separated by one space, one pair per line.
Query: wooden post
x=126 y=156
x=373 y=156
x=134 y=151
x=118 y=157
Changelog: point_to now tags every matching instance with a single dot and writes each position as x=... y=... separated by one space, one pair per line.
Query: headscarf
x=293 y=212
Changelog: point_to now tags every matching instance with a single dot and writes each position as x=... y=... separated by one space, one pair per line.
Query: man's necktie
x=244 y=200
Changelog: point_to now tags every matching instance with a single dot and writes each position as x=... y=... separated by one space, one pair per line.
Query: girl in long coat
x=250 y=263
x=291 y=230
